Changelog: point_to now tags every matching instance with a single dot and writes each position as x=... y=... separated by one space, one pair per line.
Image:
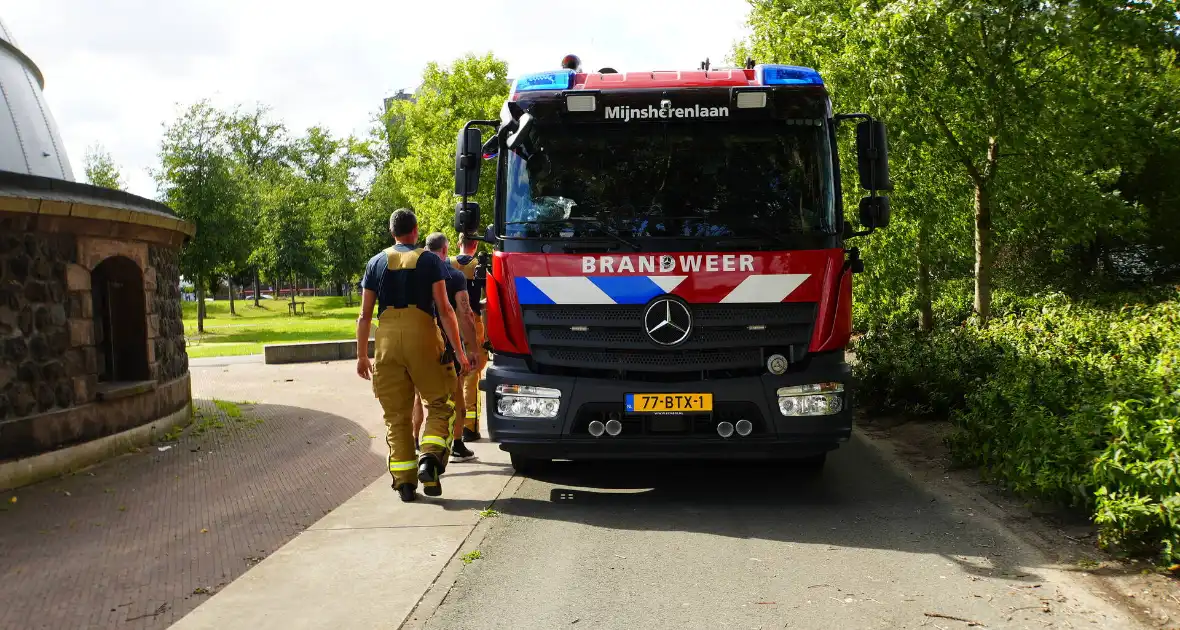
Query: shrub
x=1073 y=402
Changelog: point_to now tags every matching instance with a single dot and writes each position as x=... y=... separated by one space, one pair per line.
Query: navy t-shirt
x=379 y=279
x=456 y=284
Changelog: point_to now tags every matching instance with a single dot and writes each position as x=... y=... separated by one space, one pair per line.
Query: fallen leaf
x=204 y=531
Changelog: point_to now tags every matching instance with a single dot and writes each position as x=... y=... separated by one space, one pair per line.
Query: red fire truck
x=669 y=275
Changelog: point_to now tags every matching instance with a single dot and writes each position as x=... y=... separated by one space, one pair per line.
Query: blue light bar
x=555 y=80
x=786 y=75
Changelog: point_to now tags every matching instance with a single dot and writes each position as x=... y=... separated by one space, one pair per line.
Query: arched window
x=120 y=320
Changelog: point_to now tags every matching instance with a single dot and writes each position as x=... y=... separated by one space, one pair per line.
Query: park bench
x=297 y=306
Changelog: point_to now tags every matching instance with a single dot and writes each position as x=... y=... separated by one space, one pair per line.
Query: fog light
x=812 y=399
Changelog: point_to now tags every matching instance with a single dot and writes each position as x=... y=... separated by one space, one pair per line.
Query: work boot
x=471 y=436
x=407 y=492
x=429 y=472
x=460 y=452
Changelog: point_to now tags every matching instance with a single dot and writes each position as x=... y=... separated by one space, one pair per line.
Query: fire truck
x=669 y=276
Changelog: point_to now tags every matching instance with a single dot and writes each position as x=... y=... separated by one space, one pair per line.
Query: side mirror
x=874 y=212
x=468 y=159
x=466 y=217
x=872 y=156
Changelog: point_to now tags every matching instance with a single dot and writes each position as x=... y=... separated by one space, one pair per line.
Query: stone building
x=91 y=340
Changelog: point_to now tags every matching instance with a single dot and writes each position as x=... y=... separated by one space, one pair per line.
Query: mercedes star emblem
x=667 y=321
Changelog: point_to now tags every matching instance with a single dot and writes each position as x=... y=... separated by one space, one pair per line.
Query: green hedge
x=1077 y=403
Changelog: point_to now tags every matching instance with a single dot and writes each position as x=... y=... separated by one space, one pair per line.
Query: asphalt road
x=703 y=546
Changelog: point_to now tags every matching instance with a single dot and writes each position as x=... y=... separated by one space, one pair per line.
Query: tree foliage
x=101 y=169
x=196 y=178
x=419 y=135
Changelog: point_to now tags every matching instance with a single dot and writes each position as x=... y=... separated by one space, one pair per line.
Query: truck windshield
x=733 y=179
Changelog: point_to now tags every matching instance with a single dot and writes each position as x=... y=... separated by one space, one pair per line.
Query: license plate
x=669 y=403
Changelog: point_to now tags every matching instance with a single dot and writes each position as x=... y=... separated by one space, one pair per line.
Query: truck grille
x=613 y=337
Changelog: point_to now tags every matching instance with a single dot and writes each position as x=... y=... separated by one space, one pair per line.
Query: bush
x=1074 y=402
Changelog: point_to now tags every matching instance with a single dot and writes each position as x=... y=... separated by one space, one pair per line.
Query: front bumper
x=566 y=436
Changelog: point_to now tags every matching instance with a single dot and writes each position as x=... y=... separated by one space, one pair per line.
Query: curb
x=312 y=352
x=23 y=472
x=436 y=594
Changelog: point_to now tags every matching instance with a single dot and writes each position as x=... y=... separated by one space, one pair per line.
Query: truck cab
x=669 y=274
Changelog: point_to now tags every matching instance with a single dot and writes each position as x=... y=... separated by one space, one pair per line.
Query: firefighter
x=467 y=263
x=457 y=294
x=408 y=285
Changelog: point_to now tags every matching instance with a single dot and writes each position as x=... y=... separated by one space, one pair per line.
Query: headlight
x=528 y=390
x=813 y=399
x=811 y=388
x=527 y=401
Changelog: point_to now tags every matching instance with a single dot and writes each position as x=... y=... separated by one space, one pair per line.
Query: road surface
x=704 y=546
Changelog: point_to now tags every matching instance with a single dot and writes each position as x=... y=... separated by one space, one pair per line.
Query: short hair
x=402 y=222
x=465 y=240
x=436 y=242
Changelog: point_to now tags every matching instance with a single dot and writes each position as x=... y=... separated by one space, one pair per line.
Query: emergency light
x=786 y=75
x=553 y=80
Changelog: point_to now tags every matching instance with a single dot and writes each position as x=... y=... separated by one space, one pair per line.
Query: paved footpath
x=142 y=540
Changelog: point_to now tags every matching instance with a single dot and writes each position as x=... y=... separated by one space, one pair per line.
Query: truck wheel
x=527 y=465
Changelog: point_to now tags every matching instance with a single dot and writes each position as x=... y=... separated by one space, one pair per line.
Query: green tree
x=420 y=135
x=261 y=149
x=196 y=179
x=101 y=169
x=286 y=240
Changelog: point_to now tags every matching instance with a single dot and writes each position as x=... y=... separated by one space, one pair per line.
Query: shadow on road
x=859 y=501
x=150 y=534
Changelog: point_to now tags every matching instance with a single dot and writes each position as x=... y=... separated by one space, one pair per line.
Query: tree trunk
x=200 y=305
x=294 y=287
x=983 y=250
x=229 y=281
x=257 y=287
x=925 y=309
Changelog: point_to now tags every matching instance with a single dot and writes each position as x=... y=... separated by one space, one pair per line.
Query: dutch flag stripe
x=765 y=288
x=571 y=290
x=641 y=289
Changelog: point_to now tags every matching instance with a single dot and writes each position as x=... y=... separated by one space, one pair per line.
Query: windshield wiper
x=585 y=221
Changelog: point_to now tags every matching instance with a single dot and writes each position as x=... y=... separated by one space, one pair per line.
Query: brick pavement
x=139 y=541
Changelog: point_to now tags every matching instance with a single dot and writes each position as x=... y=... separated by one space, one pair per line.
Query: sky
x=117 y=71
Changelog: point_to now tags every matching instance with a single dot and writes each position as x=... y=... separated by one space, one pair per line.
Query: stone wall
x=171 y=355
x=36 y=368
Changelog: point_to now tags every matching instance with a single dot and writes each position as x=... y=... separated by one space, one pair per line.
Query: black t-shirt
x=405 y=287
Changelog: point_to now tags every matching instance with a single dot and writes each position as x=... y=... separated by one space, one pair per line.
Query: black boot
x=407 y=491
x=429 y=472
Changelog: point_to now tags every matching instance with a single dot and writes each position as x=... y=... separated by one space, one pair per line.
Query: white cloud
x=117 y=70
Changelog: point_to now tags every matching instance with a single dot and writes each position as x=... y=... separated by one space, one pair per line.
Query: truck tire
x=527 y=466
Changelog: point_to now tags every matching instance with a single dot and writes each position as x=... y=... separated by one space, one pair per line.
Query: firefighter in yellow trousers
x=466 y=262
x=407 y=285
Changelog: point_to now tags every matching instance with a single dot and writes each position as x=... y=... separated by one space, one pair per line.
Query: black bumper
x=755 y=398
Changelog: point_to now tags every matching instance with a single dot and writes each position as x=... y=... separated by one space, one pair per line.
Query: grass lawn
x=327 y=319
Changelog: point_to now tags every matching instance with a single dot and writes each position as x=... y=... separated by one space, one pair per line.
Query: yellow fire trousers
x=471 y=381
x=409 y=352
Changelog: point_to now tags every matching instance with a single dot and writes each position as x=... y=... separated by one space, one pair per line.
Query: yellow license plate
x=665 y=403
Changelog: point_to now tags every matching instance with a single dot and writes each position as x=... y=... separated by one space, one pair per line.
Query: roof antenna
x=705 y=64
x=750 y=63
